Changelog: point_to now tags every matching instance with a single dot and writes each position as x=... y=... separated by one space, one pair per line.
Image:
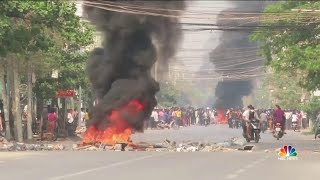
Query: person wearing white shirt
x=82 y=121
x=245 y=119
x=248 y=115
x=70 y=124
x=294 y=117
x=154 y=118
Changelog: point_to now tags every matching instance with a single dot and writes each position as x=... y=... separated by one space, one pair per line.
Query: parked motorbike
x=255 y=130
x=278 y=132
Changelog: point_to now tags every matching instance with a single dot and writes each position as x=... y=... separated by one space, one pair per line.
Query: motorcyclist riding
x=279 y=117
x=248 y=115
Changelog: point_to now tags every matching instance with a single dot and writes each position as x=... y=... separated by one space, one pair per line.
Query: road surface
x=159 y=166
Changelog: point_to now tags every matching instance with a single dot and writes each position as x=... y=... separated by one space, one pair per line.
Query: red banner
x=65 y=93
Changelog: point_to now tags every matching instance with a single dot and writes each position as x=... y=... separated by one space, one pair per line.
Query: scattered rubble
x=267 y=150
x=224 y=144
x=3 y=140
x=246 y=148
x=80 y=131
x=17 y=146
x=165 y=146
x=238 y=141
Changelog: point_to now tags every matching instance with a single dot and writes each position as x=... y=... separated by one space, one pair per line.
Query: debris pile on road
x=166 y=146
x=16 y=146
x=80 y=131
x=246 y=148
x=3 y=140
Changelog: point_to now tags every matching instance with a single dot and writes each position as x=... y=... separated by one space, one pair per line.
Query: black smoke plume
x=132 y=43
x=235 y=48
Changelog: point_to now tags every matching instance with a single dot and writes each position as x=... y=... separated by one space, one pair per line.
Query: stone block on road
x=238 y=142
x=58 y=147
x=224 y=144
x=30 y=147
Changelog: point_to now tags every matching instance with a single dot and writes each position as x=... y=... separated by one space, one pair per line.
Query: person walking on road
x=264 y=120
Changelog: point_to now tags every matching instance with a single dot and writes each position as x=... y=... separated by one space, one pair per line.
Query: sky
x=196 y=45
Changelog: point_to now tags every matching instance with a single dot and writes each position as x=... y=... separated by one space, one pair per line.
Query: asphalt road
x=257 y=164
x=220 y=133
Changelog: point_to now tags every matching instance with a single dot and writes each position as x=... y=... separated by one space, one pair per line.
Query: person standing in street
x=70 y=122
x=82 y=116
x=294 y=118
x=288 y=115
x=174 y=116
x=52 y=120
x=86 y=117
x=154 y=119
x=161 y=114
x=299 y=116
x=179 y=114
x=264 y=120
x=197 y=117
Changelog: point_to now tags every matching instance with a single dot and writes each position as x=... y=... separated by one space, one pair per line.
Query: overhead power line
x=235 y=16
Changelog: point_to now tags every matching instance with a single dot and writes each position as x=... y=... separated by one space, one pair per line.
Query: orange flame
x=221 y=116
x=118 y=130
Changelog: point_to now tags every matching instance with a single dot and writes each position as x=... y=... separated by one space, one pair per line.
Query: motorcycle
x=171 y=125
x=295 y=126
x=234 y=123
x=254 y=131
x=278 y=132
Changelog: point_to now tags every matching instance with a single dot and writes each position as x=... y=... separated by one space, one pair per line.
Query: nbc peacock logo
x=288 y=153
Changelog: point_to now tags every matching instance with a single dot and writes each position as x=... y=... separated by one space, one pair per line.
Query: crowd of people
x=183 y=116
x=268 y=116
x=72 y=120
x=234 y=116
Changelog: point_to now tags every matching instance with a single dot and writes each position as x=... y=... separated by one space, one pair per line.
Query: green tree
x=312 y=108
x=168 y=95
x=43 y=35
x=285 y=90
x=290 y=40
